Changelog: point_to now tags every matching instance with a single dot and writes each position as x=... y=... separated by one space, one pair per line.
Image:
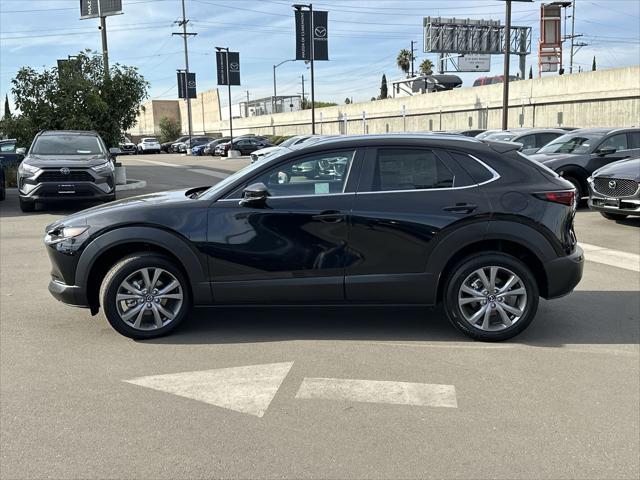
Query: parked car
x=182 y=147
x=127 y=147
x=167 y=146
x=410 y=219
x=471 y=132
x=65 y=165
x=210 y=148
x=3 y=182
x=245 y=145
x=149 y=145
x=288 y=143
x=531 y=139
x=614 y=190
x=576 y=155
x=479 y=82
x=199 y=146
x=9 y=155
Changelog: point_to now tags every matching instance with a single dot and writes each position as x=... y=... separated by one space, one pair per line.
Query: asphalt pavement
x=321 y=392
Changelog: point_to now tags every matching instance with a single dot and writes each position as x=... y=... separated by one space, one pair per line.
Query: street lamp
x=226 y=49
x=275 y=96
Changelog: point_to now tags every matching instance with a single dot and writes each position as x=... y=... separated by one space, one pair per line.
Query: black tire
x=465 y=268
x=3 y=192
x=613 y=216
x=580 y=191
x=119 y=272
x=27 y=206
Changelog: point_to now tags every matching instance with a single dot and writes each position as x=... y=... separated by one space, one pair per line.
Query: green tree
x=78 y=98
x=7 y=111
x=384 y=89
x=594 y=67
x=426 y=67
x=531 y=73
x=403 y=60
x=169 y=129
x=347 y=101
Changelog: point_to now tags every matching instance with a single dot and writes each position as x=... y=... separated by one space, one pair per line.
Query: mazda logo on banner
x=304 y=34
x=98 y=8
x=187 y=86
x=233 y=68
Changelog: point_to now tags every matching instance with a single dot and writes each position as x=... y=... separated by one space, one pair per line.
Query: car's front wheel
x=613 y=216
x=491 y=297
x=145 y=295
x=27 y=206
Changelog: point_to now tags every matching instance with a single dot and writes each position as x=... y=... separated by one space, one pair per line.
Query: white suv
x=149 y=145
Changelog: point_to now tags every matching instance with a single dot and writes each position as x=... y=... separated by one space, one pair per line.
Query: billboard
x=464 y=36
x=234 y=68
x=187 y=85
x=304 y=35
x=99 y=8
x=550 y=45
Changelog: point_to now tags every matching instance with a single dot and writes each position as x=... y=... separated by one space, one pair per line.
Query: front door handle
x=329 y=216
x=461 y=208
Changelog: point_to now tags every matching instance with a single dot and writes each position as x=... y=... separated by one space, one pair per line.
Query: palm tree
x=404 y=61
x=426 y=67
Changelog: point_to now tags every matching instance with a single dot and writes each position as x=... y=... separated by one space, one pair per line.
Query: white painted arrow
x=249 y=389
x=375 y=391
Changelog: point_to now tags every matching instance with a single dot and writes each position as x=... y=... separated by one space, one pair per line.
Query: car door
x=290 y=249
x=406 y=200
x=8 y=155
x=623 y=145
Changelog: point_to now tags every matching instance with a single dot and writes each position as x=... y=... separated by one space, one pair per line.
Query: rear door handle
x=461 y=208
x=329 y=216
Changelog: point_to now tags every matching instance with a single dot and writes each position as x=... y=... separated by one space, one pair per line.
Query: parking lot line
x=212 y=173
x=614 y=258
x=375 y=391
x=162 y=164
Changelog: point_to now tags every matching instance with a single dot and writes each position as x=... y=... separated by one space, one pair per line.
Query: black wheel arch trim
x=171 y=242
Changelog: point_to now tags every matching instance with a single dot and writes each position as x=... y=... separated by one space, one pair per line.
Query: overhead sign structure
x=474 y=63
x=187 y=87
x=304 y=35
x=233 y=68
x=99 y=8
x=550 y=46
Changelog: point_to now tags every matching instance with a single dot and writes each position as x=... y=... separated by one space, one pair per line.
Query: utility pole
x=183 y=23
x=246 y=108
x=303 y=100
x=412 y=58
x=507 y=57
x=573 y=35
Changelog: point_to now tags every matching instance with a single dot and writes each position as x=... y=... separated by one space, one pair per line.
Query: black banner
x=187 y=89
x=234 y=68
x=320 y=35
x=91 y=9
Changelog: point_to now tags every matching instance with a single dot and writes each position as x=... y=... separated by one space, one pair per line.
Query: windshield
x=149 y=140
x=572 y=143
x=218 y=187
x=67 y=145
x=290 y=141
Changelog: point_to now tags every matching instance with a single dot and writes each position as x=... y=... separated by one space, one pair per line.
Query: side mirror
x=21 y=151
x=115 y=151
x=255 y=194
x=606 y=151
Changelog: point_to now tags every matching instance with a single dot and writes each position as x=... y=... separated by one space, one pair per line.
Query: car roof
x=396 y=139
x=604 y=131
x=69 y=132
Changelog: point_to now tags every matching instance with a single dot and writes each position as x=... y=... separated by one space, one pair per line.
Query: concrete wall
x=205 y=113
x=151 y=114
x=590 y=99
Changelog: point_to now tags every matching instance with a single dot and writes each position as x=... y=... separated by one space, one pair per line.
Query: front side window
x=8 y=147
x=619 y=142
x=320 y=174
x=67 y=145
x=410 y=169
x=571 y=143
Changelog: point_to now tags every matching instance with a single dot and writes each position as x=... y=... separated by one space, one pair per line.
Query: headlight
x=65 y=233
x=590 y=180
x=26 y=169
x=103 y=167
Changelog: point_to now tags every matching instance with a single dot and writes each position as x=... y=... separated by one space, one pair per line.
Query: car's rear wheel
x=27 y=206
x=145 y=296
x=491 y=297
x=613 y=216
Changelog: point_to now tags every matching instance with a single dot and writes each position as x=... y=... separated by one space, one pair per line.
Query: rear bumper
x=69 y=294
x=563 y=274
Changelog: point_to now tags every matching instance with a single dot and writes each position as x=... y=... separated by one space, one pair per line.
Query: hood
x=557 y=157
x=92 y=216
x=59 y=161
x=629 y=169
x=267 y=150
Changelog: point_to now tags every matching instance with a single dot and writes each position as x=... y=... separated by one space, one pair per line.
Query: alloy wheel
x=492 y=298
x=149 y=298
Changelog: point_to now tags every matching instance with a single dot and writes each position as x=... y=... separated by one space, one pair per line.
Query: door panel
x=393 y=232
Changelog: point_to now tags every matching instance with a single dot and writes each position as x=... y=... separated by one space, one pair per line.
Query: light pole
x=275 y=95
x=226 y=49
x=311 y=48
x=185 y=35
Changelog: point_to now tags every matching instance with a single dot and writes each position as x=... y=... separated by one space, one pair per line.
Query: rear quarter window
x=478 y=172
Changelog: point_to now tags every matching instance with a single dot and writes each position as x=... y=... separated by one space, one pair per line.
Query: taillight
x=564 y=197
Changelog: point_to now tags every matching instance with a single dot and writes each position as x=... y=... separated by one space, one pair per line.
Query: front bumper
x=564 y=273
x=93 y=186
x=69 y=294
x=624 y=206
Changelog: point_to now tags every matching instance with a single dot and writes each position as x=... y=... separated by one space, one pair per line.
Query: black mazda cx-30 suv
x=390 y=219
x=66 y=165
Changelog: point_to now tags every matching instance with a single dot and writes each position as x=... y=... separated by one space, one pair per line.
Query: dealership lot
x=323 y=393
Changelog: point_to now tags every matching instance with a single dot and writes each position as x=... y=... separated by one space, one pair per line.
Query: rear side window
x=410 y=169
x=544 y=138
x=478 y=172
x=527 y=141
x=634 y=139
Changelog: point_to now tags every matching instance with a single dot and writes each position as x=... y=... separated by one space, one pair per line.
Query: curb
x=131 y=185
